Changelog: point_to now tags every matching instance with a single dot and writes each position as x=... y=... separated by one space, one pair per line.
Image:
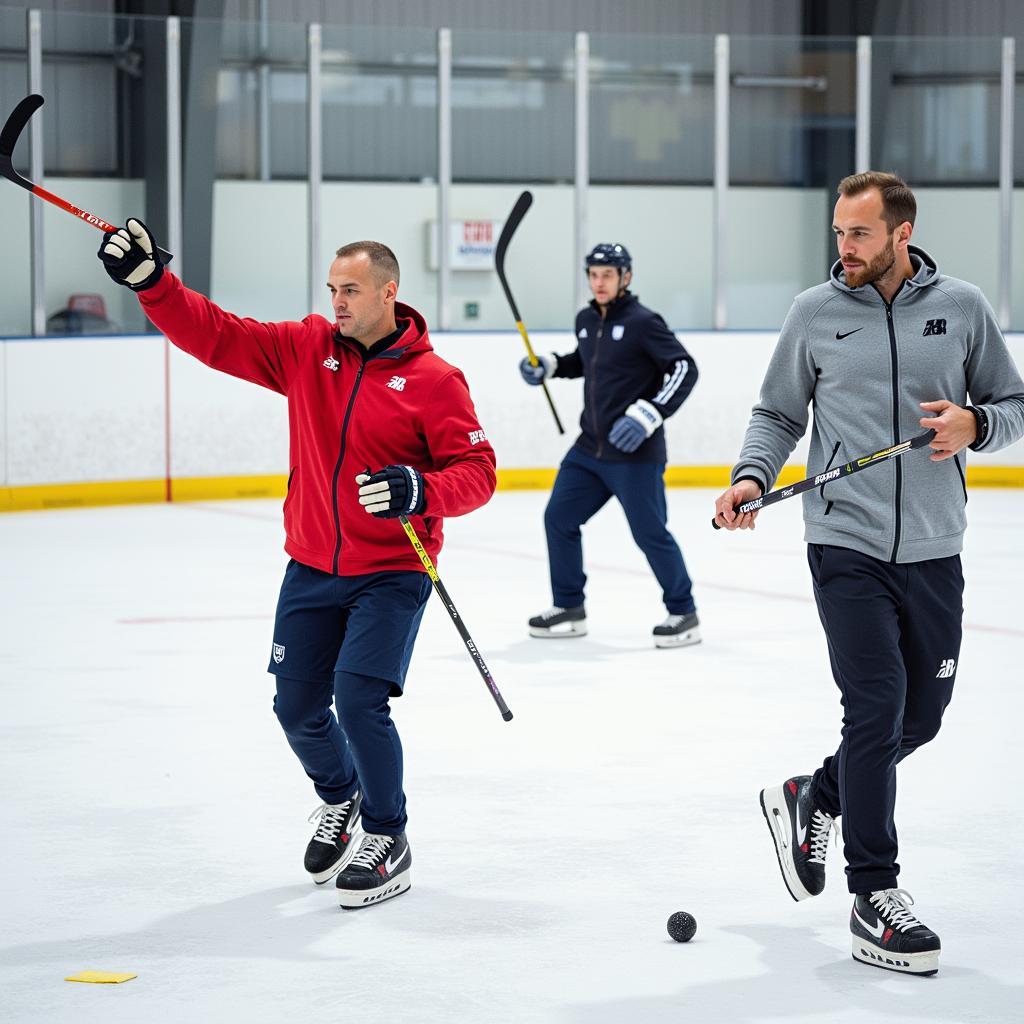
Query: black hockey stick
x=449 y=605
x=8 y=139
x=832 y=474
x=523 y=204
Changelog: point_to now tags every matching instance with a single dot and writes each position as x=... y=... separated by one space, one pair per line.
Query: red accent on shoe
x=887 y=936
x=791 y=786
x=803 y=847
x=344 y=837
x=380 y=868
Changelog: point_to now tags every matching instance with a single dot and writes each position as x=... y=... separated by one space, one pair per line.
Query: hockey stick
x=8 y=139
x=523 y=204
x=456 y=618
x=832 y=474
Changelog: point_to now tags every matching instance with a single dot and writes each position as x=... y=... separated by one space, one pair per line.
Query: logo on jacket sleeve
x=618 y=331
x=582 y=332
x=278 y=653
x=397 y=384
x=934 y=327
x=476 y=436
x=946 y=669
x=331 y=363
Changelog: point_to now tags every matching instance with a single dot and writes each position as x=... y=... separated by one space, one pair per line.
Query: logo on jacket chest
x=934 y=327
x=396 y=384
x=618 y=330
x=331 y=363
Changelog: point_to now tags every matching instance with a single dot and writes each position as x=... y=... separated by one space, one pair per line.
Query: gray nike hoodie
x=864 y=365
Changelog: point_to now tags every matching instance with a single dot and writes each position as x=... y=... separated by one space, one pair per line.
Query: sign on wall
x=471 y=244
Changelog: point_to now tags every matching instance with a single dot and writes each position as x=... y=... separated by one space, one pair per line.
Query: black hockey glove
x=131 y=257
x=392 y=492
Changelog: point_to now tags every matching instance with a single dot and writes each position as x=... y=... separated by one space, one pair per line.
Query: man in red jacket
x=366 y=391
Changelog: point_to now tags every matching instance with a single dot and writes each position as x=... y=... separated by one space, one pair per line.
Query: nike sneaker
x=335 y=839
x=378 y=871
x=886 y=934
x=678 y=631
x=559 y=622
x=800 y=832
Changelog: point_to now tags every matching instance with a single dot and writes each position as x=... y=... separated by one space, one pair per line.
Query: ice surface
x=154 y=819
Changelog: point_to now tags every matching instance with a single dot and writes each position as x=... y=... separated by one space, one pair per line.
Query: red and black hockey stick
x=832 y=474
x=523 y=204
x=8 y=139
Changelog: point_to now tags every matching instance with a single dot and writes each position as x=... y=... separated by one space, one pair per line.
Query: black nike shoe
x=886 y=934
x=335 y=840
x=800 y=832
x=556 y=623
x=379 y=870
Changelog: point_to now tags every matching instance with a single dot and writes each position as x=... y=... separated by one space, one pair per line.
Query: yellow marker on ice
x=100 y=977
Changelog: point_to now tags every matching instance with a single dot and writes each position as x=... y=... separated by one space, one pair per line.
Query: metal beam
x=720 y=221
x=1006 y=183
x=175 y=232
x=444 y=172
x=862 y=146
x=315 y=163
x=37 y=274
x=582 y=184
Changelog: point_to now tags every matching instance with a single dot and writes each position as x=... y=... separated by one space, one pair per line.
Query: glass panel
x=792 y=124
x=512 y=106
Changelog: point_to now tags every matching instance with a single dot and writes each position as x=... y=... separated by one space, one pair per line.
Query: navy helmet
x=609 y=254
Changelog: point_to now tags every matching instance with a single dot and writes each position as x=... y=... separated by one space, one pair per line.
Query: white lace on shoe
x=332 y=817
x=551 y=613
x=821 y=826
x=371 y=850
x=894 y=905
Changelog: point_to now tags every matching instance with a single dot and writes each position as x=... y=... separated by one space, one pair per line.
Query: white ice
x=154 y=819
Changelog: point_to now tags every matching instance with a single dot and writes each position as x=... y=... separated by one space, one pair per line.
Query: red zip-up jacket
x=403 y=406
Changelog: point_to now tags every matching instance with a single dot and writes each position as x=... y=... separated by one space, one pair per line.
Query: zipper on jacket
x=895 y=429
x=821 y=490
x=593 y=393
x=337 y=468
x=963 y=479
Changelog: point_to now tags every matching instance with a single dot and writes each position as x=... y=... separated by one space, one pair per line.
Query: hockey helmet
x=609 y=254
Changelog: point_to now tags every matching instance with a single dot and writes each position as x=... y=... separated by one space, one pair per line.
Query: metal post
x=862 y=160
x=263 y=92
x=721 y=182
x=315 y=171
x=35 y=136
x=582 y=84
x=1006 y=183
x=444 y=172
x=175 y=234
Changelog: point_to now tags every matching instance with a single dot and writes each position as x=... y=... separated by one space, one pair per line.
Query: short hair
x=383 y=262
x=898 y=202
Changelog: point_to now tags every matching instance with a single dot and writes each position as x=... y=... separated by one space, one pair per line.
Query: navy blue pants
x=894 y=640
x=582 y=488
x=347 y=640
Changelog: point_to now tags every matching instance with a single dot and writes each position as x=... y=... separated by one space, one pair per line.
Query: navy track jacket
x=629 y=354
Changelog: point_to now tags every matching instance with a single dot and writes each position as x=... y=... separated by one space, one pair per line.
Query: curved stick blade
x=19 y=117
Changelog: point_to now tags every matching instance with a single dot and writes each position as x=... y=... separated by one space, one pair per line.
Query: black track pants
x=894 y=641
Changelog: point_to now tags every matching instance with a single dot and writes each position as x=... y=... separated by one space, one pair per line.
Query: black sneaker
x=559 y=622
x=886 y=934
x=678 y=631
x=800 y=832
x=379 y=870
x=335 y=839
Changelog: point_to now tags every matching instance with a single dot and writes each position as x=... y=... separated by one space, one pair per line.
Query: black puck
x=682 y=926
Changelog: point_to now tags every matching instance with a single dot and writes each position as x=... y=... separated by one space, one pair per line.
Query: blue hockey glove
x=539 y=373
x=637 y=424
x=392 y=492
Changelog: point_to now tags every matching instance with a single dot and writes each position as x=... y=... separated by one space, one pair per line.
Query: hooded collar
x=617 y=305
x=926 y=273
x=413 y=339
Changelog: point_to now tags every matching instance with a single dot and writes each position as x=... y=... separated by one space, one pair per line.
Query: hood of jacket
x=926 y=273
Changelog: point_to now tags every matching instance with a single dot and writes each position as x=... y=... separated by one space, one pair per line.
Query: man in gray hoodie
x=886 y=348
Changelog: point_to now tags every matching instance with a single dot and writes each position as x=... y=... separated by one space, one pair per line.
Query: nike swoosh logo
x=801 y=828
x=876 y=930
x=839 y=337
x=390 y=865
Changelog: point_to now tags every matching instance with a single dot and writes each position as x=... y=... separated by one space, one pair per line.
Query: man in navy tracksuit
x=635 y=375
x=887 y=348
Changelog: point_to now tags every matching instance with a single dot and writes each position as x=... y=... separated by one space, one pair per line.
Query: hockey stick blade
x=515 y=218
x=9 y=135
x=837 y=472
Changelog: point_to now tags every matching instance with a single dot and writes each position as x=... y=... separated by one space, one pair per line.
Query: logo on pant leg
x=946 y=669
x=278 y=653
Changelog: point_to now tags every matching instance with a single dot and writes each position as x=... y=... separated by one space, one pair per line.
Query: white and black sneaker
x=887 y=935
x=380 y=870
x=335 y=839
x=678 y=631
x=556 y=623
x=800 y=832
